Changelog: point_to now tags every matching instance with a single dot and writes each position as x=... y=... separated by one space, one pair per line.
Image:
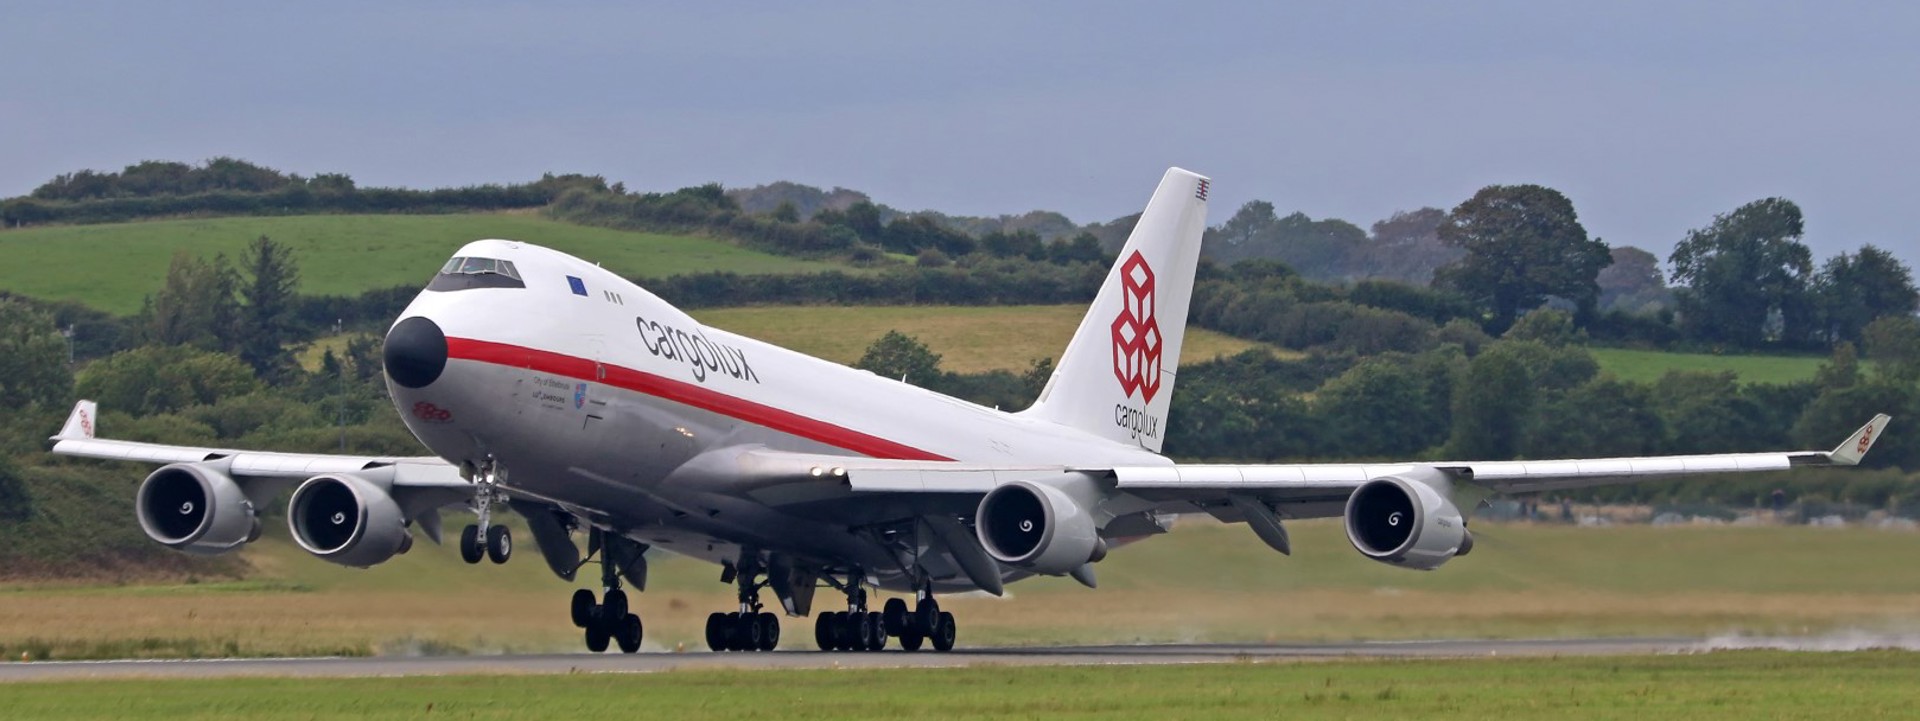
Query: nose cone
x=416 y=352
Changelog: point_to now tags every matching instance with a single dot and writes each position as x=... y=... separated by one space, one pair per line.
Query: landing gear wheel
x=926 y=615
x=499 y=544
x=615 y=605
x=823 y=631
x=769 y=631
x=470 y=550
x=896 y=616
x=944 y=632
x=598 y=634
x=628 y=633
x=911 y=640
x=746 y=631
x=583 y=607
x=846 y=631
x=717 y=632
x=873 y=632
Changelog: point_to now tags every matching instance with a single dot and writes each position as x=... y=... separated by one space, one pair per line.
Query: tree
x=1893 y=342
x=903 y=357
x=1379 y=408
x=164 y=379
x=196 y=306
x=1744 y=270
x=1523 y=243
x=1854 y=290
x=1634 y=282
x=1490 y=406
x=1406 y=247
x=266 y=321
x=33 y=358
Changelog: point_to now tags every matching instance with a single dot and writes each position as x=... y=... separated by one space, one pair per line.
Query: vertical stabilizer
x=1116 y=378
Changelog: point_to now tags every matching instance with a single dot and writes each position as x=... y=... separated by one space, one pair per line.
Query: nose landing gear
x=483 y=539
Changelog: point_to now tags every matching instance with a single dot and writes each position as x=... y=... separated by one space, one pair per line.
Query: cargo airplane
x=600 y=413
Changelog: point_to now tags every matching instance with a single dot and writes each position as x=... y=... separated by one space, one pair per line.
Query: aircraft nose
x=416 y=352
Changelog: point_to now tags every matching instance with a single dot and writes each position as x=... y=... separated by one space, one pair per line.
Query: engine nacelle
x=1405 y=521
x=197 y=508
x=347 y=520
x=1038 y=527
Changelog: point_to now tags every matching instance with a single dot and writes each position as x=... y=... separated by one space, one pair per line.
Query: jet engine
x=1039 y=527
x=197 y=508
x=1406 y=521
x=347 y=520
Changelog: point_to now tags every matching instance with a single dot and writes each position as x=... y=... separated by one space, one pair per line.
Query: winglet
x=1855 y=447
x=80 y=421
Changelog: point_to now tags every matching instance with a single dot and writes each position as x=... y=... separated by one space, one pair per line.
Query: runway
x=669 y=661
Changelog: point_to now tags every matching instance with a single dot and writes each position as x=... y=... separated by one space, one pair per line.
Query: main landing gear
x=609 y=621
x=858 y=629
x=483 y=539
x=751 y=628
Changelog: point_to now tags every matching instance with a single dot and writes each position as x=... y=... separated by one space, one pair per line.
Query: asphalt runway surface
x=654 y=662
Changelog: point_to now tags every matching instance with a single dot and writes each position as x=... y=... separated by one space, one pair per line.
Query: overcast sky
x=1652 y=117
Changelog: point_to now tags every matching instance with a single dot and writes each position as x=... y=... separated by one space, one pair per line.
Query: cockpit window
x=461 y=273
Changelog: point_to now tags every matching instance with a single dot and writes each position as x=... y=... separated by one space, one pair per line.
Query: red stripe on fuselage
x=697 y=396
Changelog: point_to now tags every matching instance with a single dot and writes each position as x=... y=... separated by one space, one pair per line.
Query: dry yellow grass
x=1205 y=582
x=968 y=339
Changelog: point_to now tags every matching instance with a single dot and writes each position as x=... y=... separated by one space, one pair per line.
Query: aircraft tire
x=598 y=634
x=926 y=616
x=769 y=631
x=823 y=631
x=615 y=605
x=912 y=640
x=896 y=616
x=716 y=632
x=499 y=544
x=582 y=607
x=470 y=549
x=944 y=633
x=629 y=633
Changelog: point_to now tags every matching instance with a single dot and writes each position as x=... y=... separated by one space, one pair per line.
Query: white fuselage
x=594 y=394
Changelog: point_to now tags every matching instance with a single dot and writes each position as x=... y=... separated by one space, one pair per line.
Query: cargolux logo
x=1136 y=333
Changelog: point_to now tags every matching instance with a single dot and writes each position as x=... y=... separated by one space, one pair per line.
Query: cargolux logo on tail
x=1136 y=333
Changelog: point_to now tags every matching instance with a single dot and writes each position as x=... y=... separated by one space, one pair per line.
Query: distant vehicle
x=585 y=403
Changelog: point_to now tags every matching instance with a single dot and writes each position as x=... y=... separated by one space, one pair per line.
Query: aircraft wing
x=77 y=438
x=1316 y=489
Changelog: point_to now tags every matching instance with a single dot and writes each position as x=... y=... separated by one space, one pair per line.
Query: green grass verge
x=1741 y=685
x=1647 y=366
x=112 y=267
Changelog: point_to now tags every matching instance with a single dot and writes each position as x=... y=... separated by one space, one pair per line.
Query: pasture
x=1739 y=685
x=113 y=267
x=1647 y=366
x=968 y=339
x=1205 y=582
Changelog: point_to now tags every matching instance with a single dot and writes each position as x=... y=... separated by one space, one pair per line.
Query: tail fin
x=1116 y=378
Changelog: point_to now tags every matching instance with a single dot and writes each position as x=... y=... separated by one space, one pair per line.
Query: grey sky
x=1650 y=116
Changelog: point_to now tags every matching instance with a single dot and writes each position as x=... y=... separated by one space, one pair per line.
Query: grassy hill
x=968 y=339
x=1647 y=366
x=112 y=267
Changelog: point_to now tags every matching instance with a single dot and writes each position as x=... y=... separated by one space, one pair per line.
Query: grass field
x=1203 y=582
x=1647 y=366
x=1743 y=685
x=338 y=254
x=968 y=339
